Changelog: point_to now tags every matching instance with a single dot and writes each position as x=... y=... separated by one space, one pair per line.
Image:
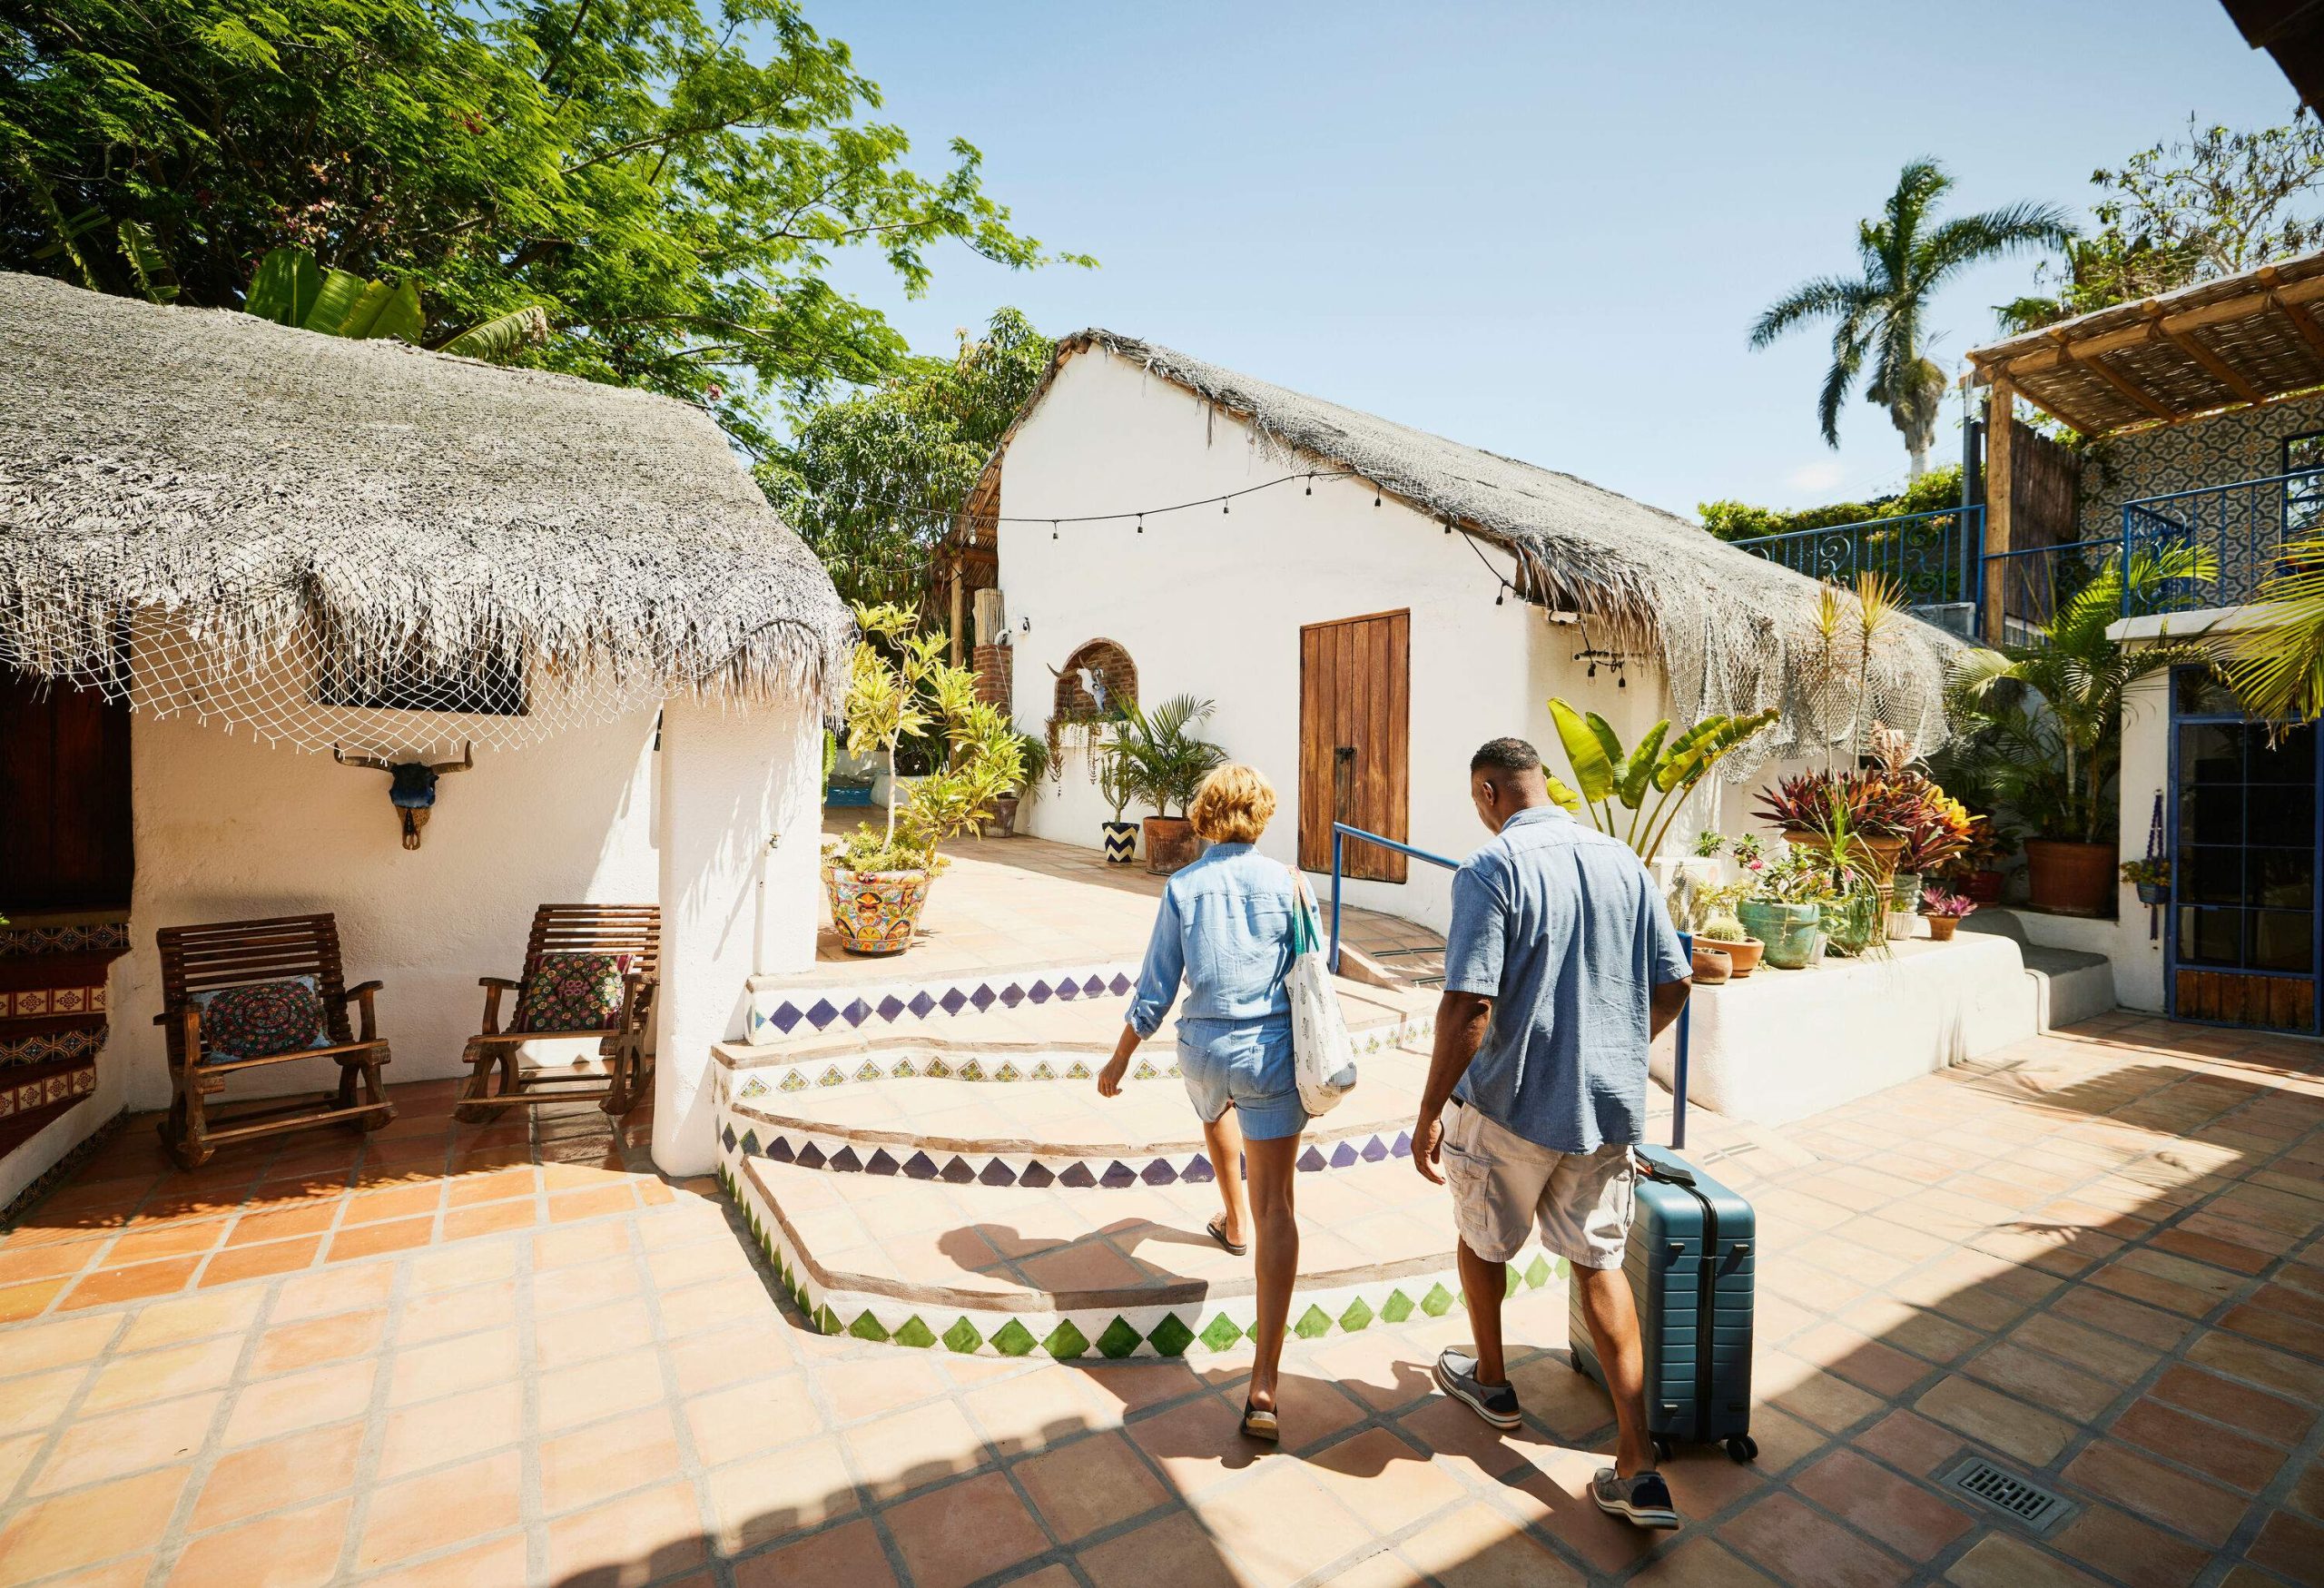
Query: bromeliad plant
x=1610 y=776
x=900 y=686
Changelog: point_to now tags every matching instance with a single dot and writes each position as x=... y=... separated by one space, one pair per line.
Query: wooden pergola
x=2239 y=342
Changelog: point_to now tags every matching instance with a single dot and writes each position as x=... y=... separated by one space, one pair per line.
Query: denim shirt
x=1225 y=926
x=1564 y=930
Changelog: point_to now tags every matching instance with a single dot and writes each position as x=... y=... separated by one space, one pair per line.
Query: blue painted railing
x=2244 y=525
x=1932 y=558
x=1342 y=833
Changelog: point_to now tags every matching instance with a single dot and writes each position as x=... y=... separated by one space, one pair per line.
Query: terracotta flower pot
x=1711 y=966
x=1883 y=851
x=1002 y=822
x=1121 y=842
x=1941 y=927
x=2069 y=878
x=1170 y=843
x=1984 y=886
x=876 y=912
x=1742 y=954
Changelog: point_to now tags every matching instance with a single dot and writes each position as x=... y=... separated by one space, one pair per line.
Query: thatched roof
x=266 y=487
x=1730 y=629
x=2233 y=341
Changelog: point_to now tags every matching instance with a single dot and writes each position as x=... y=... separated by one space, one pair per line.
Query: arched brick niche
x=1116 y=672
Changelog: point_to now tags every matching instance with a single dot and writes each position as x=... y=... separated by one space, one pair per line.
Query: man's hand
x=1427 y=1137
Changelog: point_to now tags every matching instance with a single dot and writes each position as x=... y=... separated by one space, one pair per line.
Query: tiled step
x=1011 y=1270
x=930 y=1128
x=811 y=1003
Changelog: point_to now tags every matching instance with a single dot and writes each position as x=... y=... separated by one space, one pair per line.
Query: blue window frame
x=2246 y=838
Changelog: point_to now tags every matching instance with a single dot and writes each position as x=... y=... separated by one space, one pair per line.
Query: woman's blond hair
x=1233 y=805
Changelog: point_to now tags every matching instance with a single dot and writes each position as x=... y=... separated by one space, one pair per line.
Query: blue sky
x=1543 y=230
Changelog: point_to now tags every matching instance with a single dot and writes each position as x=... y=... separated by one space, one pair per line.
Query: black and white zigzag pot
x=1121 y=842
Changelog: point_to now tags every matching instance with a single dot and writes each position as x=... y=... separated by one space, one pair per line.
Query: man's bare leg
x=1482 y=1285
x=1613 y=1318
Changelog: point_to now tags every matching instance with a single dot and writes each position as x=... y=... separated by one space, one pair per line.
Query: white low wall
x=1780 y=1045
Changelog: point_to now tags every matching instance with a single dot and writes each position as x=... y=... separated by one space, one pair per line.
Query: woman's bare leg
x=1276 y=1257
x=1223 y=1139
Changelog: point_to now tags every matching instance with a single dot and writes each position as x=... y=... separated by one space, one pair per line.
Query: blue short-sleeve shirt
x=1562 y=927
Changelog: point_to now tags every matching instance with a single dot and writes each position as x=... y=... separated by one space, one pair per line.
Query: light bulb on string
x=1225 y=505
x=1141 y=522
x=1311 y=484
x=1052 y=528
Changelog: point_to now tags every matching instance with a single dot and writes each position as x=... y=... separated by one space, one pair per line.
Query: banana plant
x=1613 y=780
x=290 y=289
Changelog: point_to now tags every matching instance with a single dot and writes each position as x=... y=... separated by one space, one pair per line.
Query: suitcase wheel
x=1742 y=1448
x=1661 y=1448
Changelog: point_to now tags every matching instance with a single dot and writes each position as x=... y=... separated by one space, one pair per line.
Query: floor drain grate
x=2008 y=1494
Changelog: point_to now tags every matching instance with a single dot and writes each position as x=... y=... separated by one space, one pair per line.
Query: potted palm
x=2047 y=719
x=900 y=686
x=1165 y=764
x=1115 y=783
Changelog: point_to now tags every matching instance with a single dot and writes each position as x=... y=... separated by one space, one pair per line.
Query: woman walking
x=1226 y=925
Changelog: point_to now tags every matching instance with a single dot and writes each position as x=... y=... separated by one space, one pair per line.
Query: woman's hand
x=1109 y=1079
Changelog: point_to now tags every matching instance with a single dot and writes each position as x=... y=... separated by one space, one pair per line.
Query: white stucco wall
x=227 y=830
x=739 y=836
x=1212 y=602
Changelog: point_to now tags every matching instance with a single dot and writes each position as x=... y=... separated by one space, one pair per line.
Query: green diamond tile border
x=1171 y=1337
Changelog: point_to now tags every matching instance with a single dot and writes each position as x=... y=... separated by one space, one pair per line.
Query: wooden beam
x=2001 y=419
x=2130 y=391
x=2032 y=361
x=2302 y=321
x=2050 y=406
x=2219 y=369
x=959 y=645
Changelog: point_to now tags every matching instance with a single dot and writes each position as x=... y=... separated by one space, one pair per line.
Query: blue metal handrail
x=1931 y=557
x=2032 y=582
x=1342 y=833
x=2243 y=524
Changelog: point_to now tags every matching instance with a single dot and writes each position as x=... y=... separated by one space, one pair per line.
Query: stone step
x=1011 y=1270
x=932 y=1126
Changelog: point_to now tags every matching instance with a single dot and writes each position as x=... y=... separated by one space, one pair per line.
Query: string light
x=1225 y=505
x=1311 y=484
x=1052 y=528
x=1141 y=522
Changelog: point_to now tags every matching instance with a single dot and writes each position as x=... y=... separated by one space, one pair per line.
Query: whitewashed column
x=731 y=780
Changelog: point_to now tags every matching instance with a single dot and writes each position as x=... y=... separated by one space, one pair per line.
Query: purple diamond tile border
x=905 y=1003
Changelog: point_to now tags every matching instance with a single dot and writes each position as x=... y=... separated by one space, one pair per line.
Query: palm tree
x=2051 y=757
x=2276 y=664
x=1906 y=255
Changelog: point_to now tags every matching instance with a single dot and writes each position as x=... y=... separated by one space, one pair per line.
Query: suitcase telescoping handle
x=1678 y=1063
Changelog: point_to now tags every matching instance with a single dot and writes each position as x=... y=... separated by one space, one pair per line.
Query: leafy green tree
x=2210 y=204
x=1933 y=492
x=1880 y=316
x=670 y=185
x=873 y=478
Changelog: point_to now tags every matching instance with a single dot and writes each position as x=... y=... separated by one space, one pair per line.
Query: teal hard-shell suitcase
x=1689 y=1263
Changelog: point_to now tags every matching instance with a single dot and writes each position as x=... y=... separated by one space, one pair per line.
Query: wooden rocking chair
x=631 y=930
x=199 y=962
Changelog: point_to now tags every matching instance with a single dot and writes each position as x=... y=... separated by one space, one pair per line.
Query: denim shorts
x=1247 y=1064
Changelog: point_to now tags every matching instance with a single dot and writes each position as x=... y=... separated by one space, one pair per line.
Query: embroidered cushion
x=571 y=991
x=260 y=1019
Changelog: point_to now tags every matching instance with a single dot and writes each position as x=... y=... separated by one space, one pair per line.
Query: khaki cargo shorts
x=1503 y=1185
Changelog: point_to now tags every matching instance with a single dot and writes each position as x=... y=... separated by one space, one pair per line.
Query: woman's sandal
x=1217 y=1231
x=1260 y=1424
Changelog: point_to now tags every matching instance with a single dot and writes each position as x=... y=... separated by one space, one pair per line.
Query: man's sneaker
x=1456 y=1376
x=1642 y=1500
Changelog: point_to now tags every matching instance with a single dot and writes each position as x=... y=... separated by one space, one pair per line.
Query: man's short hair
x=1505 y=755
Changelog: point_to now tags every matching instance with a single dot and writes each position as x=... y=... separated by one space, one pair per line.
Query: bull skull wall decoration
x=411 y=784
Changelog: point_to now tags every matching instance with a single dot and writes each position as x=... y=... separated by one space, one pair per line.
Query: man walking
x=1561 y=968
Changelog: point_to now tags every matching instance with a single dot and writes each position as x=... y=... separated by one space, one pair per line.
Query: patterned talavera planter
x=876 y=912
x=1121 y=842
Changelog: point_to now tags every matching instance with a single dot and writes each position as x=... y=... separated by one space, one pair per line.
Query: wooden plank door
x=65 y=788
x=1356 y=740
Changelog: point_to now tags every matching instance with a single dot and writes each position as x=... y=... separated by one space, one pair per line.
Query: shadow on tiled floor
x=452 y=1357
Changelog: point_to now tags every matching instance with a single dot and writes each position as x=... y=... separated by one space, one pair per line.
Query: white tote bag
x=1322 y=1055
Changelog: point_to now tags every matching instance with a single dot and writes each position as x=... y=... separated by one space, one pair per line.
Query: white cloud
x=1814 y=477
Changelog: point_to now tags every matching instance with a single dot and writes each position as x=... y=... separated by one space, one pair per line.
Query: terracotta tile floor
x=458 y=1355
